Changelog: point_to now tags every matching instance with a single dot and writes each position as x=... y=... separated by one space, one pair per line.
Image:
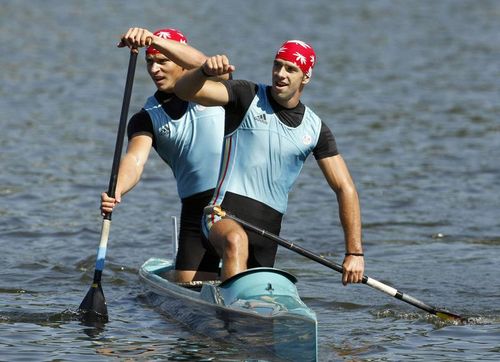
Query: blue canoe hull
x=259 y=309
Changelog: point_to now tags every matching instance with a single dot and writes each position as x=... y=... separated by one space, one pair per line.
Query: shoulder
x=326 y=145
x=241 y=93
x=241 y=87
x=311 y=113
x=139 y=122
x=154 y=100
x=141 y=116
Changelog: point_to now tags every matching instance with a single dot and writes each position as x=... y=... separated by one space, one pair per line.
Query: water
x=411 y=92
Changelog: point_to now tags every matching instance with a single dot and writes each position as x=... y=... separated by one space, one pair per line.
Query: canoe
x=258 y=309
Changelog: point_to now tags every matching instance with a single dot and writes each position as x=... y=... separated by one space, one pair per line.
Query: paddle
x=93 y=307
x=443 y=314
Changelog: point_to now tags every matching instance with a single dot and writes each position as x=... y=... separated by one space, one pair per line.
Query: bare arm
x=180 y=53
x=196 y=85
x=337 y=174
x=131 y=168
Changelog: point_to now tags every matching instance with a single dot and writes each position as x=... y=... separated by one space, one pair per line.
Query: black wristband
x=354 y=254
x=204 y=73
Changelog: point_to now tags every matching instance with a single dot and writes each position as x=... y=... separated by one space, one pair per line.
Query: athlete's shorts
x=195 y=252
x=262 y=251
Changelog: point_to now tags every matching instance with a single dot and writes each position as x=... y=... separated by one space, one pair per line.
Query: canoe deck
x=259 y=309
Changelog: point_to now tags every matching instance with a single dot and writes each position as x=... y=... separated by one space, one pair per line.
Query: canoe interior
x=258 y=310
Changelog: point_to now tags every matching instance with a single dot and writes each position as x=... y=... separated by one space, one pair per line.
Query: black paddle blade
x=448 y=316
x=93 y=307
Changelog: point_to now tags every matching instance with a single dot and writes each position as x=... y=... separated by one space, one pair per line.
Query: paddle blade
x=93 y=307
x=447 y=316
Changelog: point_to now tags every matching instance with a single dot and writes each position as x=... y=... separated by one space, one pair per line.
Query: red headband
x=299 y=53
x=172 y=34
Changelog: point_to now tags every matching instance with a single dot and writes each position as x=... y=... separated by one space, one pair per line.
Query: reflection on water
x=42 y=318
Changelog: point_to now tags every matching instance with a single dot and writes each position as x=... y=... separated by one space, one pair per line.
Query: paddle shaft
x=332 y=265
x=93 y=307
x=106 y=224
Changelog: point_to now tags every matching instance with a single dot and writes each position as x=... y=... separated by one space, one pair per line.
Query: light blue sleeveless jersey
x=190 y=145
x=263 y=157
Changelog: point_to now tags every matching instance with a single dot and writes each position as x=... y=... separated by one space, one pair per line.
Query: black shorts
x=195 y=252
x=262 y=251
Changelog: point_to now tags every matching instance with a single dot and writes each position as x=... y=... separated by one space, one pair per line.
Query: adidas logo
x=164 y=130
x=261 y=118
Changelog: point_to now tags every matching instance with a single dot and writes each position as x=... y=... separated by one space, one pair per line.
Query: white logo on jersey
x=307 y=139
x=164 y=130
x=261 y=118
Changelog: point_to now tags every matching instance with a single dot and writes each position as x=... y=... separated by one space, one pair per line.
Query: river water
x=411 y=91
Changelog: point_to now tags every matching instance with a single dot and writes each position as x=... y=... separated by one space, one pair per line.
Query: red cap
x=299 y=53
x=172 y=34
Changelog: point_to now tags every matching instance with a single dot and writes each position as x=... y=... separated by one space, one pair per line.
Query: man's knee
x=230 y=239
x=225 y=230
x=236 y=242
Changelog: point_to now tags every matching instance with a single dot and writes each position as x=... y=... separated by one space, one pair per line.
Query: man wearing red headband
x=186 y=135
x=269 y=133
